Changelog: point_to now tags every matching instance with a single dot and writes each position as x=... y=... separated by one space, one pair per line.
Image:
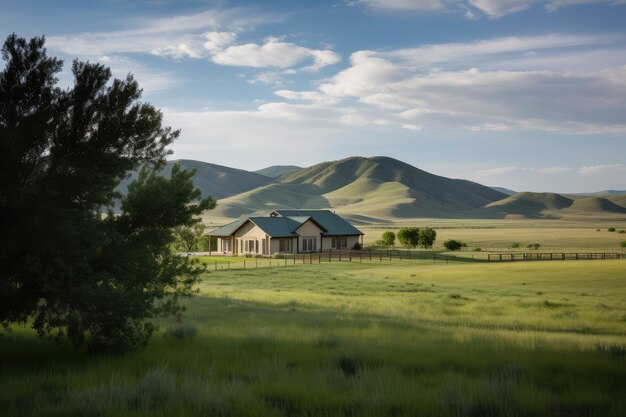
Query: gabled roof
x=335 y=225
x=288 y=221
x=229 y=228
x=277 y=226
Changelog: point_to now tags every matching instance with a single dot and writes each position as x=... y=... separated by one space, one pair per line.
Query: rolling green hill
x=215 y=180
x=378 y=188
x=551 y=205
x=277 y=170
x=381 y=189
x=529 y=204
x=597 y=205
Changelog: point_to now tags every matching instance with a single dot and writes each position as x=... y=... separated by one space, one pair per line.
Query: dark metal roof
x=335 y=225
x=287 y=221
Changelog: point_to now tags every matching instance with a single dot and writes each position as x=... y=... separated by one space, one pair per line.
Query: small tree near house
x=389 y=239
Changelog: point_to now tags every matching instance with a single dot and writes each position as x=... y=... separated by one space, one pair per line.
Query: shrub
x=623 y=244
x=533 y=246
x=452 y=244
x=409 y=236
x=477 y=249
x=182 y=331
x=515 y=245
x=622 y=231
x=389 y=239
x=278 y=256
x=611 y=229
x=357 y=246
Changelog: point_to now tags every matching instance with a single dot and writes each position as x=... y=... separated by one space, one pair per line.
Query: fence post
x=350 y=256
x=294 y=258
x=339 y=256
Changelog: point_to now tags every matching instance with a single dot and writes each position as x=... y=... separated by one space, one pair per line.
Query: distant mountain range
x=385 y=189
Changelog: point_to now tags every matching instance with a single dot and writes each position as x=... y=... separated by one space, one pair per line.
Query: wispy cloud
x=600 y=169
x=200 y=36
x=431 y=86
x=489 y=8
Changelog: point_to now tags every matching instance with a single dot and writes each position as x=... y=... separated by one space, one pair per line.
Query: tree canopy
x=427 y=237
x=68 y=263
x=408 y=236
x=389 y=238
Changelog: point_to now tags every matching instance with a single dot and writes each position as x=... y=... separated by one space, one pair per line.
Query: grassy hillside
x=530 y=204
x=597 y=205
x=269 y=197
x=277 y=170
x=381 y=189
x=215 y=180
x=411 y=192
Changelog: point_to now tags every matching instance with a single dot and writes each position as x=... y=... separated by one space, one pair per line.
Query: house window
x=284 y=245
x=256 y=246
x=309 y=244
x=340 y=243
x=263 y=247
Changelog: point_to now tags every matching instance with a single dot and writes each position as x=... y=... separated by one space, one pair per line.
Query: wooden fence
x=543 y=256
x=358 y=256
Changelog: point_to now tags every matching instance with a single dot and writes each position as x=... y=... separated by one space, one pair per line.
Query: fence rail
x=544 y=256
x=361 y=256
x=358 y=256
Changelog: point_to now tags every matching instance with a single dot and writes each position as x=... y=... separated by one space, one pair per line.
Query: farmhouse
x=287 y=231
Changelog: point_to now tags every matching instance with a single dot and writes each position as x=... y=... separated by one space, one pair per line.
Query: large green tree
x=408 y=236
x=427 y=237
x=66 y=267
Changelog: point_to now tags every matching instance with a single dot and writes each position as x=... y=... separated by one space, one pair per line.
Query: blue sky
x=525 y=94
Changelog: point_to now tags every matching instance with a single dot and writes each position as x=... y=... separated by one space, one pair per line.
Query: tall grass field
x=396 y=338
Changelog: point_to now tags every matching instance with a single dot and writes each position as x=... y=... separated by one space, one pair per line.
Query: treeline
x=409 y=237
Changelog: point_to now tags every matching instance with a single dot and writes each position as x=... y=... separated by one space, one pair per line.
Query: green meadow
x=396 y=338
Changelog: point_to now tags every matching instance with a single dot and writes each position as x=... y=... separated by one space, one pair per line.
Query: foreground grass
x=400 y=338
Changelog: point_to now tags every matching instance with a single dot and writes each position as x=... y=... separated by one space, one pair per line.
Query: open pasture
x=500 y=235
x=397 y=338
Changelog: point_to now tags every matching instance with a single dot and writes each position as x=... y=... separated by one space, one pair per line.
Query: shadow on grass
x=252 y=358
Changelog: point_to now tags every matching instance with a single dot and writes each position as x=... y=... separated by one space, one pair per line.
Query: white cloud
x=497 y=8
x=273 y=53
x=217 y=41
x=600 y=169
x=480 y=51
x=489 y=8
x=431 y=87
x=403 y=5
